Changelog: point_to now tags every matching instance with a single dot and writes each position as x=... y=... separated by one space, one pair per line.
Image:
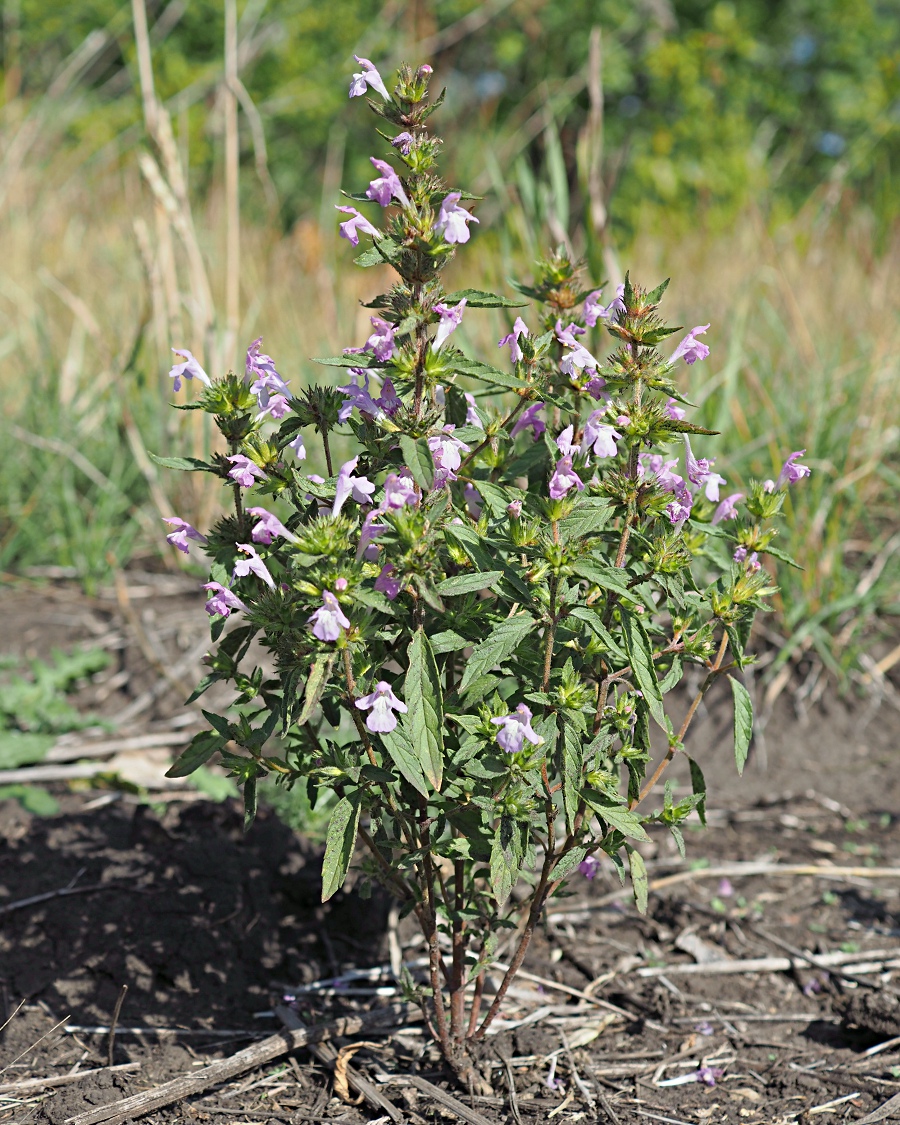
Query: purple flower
x=566 y=336
x=368 y=76
x=791 y=473
x=727 y=509
x=520 y=328
x=387 y=186
x=328 y=621
x=350 y=228
x=223 y=601
x=564 y=442
x=529 y=419
x=472 y=418
x=564 y=477
x=389 y=401
x=182 y=533
x=452 y=220
x=596 y=388
x=680 y=508
x=381 y=342
x=445 y=449
x=594 y=311
x=752 y=561
x=514 y=729
x=589 y=866
x=244 y=470
x=399 y=490
x=473 y=501
x=601 y=436
x=371 y=529
x=298 y=447
x=261 y=368
x=704 y=1028
x=674 y=411
x=403 y=141
x=252 y=564
x=552 y=1082
x=382 y=703
x=725 y=889
x=268 y=527
x=709 y=1074
x=348 y=485
x=450 y=320
x=514 y=510
x=697 y=470
x=189 y=368
x=576 y=360
x=276 y=407
x=690 y=348
x=711 y=487
x=358 y=397
x=387 y=585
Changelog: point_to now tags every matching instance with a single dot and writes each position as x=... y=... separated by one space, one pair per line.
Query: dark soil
x=210 y=928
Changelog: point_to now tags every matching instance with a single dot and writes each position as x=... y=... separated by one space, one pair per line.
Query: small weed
x=830 y=898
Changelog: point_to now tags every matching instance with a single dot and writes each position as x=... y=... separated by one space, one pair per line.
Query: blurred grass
x=99 y=281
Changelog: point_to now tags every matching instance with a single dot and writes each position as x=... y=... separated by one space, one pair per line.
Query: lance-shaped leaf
x=639 y=878
x=188 y=464
x=743 y=722
x=418 y=460
x=201 y=749
x=615 y=814
x=358 y=359
x=606 y=577
x=400 y=750
x=568 y=863
x=319 y=675
x=425 y=718
x=571 y=773
x=339 y=844
x=507 y=853
x=698 y=786
x=479 y=299
x=469 y=583
x=500 y=643
x=640 y=656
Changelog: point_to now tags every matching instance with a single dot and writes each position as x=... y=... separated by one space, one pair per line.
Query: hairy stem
x=327 y=448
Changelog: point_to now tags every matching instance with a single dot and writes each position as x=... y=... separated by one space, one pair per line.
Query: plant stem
x=550 y=635
x=327 y=452
x=457 y=986
x=511 y=417
x=692 y=710
x=435 y=961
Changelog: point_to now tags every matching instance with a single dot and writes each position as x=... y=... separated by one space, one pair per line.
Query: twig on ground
x=821 y=961
x=547 y=983
x=26 y=1084
x=883 y=1113
x=879 y=1047
x=511 y=1083
x=12 y=1062
x=472 y=1116
x=104 y=1029
x=74 y=752
x=576 y=1077
x=270 y=1048
x=64 y=892
x=873 y=962
x=112 y=1027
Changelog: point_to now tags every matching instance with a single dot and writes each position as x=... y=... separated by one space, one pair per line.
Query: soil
x=211 y=929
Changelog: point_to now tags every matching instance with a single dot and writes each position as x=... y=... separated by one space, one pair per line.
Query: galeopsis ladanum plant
x=475 y=620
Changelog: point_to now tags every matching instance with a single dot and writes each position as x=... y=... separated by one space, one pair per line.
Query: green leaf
x=399 y=748
x=506 y=858
x=448 y=641
x=673 y=677
x=479 y=299
x=621 y=818
x=418 y=460
x=743 y=722
x=571 y=773
x=339 y=844
x=606 y=577
x=594 y=621
x=640 y=656
x=485 y=372
x=219 y=723
x=319 y=675
x=23 y=748
x=776 y=553
x=200 y=749
x=589 y=517
x=32 y=798
x=500 y=643
x=655 y=295
x=189 y=464
x=356 y=360
x=698 y=786
x=639 y=879
x=250 y=802
x=678 y=426
x=469 y=583
x=568 y=863
x=422 y=695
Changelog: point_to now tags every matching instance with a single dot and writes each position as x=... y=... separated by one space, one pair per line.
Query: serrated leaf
x=198 y=752
x=479 y=299
x=204 y=685
x=777 y=553
x=219 y=723
x=568 y=863
x=594 y=622
x=500 y=643
x=588 y=518
x=356 y=360
x=469 y=583
x=606 y=577
x=639 y=879
x=319 y=675
x=673 y=677
x=640 y=656
x=571 y=773
x=678 y=426
x=448 y=641
x=418 y=460
x=188 y=464
x=698 y=786
x=485 y=372
x=399 y=748
x=339 y=844
x=621 y=818
x=655 y=295
x=743 y=722
x=425 y=718
x=506 y=858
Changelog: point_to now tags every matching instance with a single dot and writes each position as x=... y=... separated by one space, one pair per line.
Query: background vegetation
x=748 y=149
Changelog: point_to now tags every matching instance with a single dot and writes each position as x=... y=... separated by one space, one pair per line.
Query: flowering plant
x=476 y=619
